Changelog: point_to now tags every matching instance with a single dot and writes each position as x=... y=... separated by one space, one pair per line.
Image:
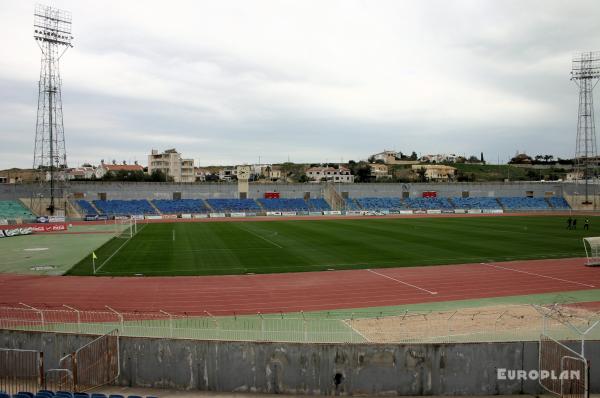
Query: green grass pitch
x=219 y=248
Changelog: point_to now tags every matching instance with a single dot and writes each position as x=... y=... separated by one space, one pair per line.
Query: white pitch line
x=540 y=275
x=261 y=237
x=399 y=281
x=116 y=251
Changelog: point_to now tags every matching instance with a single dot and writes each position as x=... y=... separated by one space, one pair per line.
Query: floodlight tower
x=52 y=32
x=585 y=73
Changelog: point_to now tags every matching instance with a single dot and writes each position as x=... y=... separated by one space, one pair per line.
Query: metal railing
x=485 y=324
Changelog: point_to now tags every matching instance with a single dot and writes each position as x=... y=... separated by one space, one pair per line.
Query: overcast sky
x=225 y=82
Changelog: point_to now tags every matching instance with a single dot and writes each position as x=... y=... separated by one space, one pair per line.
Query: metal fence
x=93 y=365
x=562 y=371
x=498 y=323
x=20 y=370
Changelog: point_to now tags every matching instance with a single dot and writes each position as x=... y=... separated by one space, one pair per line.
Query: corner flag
x=94 y=256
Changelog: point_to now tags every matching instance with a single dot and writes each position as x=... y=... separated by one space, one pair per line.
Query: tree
x=371 y=159
x=421 y=177
x=157 y=176
x=413 y=156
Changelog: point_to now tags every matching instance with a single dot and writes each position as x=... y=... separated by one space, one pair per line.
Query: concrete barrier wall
x=118 y=190
x=369 y=369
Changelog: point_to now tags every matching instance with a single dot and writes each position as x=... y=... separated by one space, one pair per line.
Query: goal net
x=592 y=250
x=125 y=228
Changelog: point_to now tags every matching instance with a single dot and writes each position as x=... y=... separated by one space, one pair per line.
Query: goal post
x=125 y=228
x=592 y=250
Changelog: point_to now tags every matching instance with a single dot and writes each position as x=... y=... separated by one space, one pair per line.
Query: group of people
x=572 y=223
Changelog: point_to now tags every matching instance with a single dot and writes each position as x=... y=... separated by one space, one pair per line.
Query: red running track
x=307 y=291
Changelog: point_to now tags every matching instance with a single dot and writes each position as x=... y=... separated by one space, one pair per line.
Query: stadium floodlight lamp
x=52 y=25
x=586 y=65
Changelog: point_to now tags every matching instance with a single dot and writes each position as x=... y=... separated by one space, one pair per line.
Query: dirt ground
x=490 y=323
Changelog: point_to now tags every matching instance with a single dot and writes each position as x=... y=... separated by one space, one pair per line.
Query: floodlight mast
x=52 y=32
x=585 y=73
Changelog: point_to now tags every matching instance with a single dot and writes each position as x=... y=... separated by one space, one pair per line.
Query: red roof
x=125 y=167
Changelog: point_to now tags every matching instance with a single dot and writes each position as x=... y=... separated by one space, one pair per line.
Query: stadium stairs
x=156 y=209
x=208 y=206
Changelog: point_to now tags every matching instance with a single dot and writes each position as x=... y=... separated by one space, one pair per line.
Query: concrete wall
x=373 y=369
x=117 y=190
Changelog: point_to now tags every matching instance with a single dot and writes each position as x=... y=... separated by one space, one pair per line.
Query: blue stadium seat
x=98 y=395
x=181 y=206
x=284 y=204
x=115 y=396
x=318 y=205
x=380 y=204
x=476 y=203
x=522 y=203
x=233 y=205
x=27 y=393
x=124 y=207
x=87 y=208
x=428 y=203
x=351 y=204
x=559 y=203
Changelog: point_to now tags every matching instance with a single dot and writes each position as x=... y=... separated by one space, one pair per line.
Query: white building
x=385 y=156
x=319 y=174
x=171 y=163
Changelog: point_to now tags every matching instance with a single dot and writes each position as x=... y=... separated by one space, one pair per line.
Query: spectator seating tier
x=520 y=203
x=428 y=204
x=11 y=209
x=124 y=207
x=559 y=203
x=318 y=205
x=284 y=204
x=476 y=203
x=233 y=205
x=379 y=204
x=87 y=208
x=181 y=206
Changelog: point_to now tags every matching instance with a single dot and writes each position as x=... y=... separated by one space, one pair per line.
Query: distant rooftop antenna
x=585 y=73
x=52 y=32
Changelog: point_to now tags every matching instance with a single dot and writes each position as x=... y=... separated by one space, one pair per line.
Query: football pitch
x=220 y=248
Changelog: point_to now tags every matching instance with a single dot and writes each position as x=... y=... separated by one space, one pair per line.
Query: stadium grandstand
x=14 y=209
x=301 y=206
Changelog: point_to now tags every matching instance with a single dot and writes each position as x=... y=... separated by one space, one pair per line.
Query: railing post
x=170 y=322
x=262 y=325
x=39 y=312
x=78 y=317
x=122 y=331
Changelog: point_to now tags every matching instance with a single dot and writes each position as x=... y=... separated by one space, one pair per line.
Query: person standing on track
x=574 y=223
x=569 y=222
x=586 y=224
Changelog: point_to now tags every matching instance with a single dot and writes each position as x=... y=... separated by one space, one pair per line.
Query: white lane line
x=261 y=237
x=540 y=275
x=399 y=281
